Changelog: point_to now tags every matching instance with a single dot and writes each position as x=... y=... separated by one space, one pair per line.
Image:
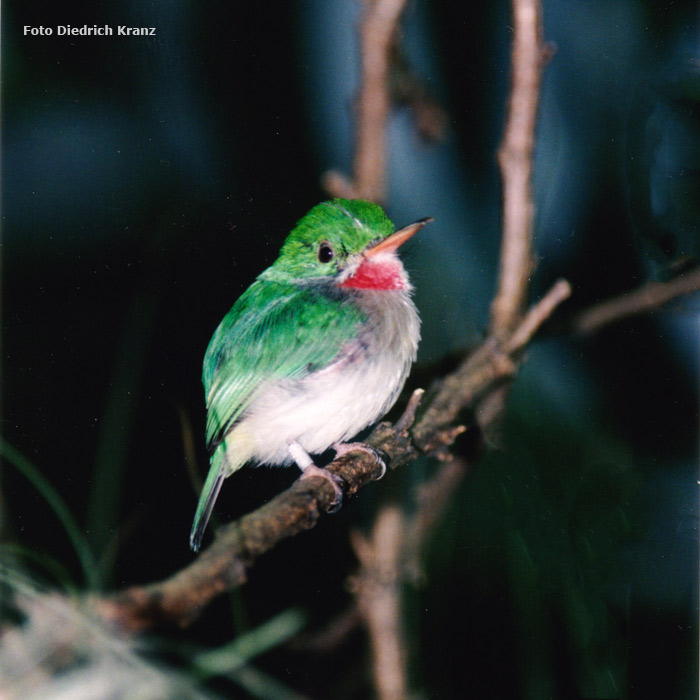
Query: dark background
x=146 y=181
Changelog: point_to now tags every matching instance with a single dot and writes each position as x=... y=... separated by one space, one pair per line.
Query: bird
x=314 y=351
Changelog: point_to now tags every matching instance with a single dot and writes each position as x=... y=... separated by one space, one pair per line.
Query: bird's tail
x=215 y=478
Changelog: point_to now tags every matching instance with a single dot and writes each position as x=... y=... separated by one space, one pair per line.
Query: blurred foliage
x=56 y=649
x=148 y=180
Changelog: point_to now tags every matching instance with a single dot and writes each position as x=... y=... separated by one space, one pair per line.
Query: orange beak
x=391 y=243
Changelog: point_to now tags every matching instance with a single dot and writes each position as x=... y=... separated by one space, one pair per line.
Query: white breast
x=336 y=403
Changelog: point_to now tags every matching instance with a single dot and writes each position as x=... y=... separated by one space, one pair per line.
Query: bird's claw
x=333 y=479
x=342 y=448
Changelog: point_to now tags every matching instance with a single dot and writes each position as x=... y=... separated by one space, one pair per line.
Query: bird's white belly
x=336 y=403
x=321 y=410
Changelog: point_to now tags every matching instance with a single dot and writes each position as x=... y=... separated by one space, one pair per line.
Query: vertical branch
x=377 y=589
x=515 y=158
x=391 y=553
x=377 y=33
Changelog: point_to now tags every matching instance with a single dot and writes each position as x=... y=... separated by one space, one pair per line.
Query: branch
x=432 y=498
x=330 y=637
x=537 y=315
x=377 y=589
x=649 y=297
x=225 y=563
x=377 y=31
x=390 y=555
x=407 y=88
x=515 y=161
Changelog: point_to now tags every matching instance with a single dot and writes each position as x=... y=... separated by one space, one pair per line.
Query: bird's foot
x=342 y=448
x=309 y=469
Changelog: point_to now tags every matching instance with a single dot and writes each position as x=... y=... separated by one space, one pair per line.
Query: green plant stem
x=59 y=507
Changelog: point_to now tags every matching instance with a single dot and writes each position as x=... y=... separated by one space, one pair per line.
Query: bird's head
x=349 y=241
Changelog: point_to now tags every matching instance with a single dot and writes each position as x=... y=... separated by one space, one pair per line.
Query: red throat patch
x=379 y=274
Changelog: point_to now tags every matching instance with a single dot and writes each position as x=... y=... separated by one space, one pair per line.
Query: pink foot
x=332 y=479
x=309 y=469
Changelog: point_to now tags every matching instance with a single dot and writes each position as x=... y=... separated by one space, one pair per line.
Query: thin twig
x=377 y=31
x=407 y=88
x=490 y=365
x=409 y=414
x=649 y=297
x=330 y=637
x=515 y=158
x=377 y=589
x=338 y=185
x=432 y=498
x=537 y=315
x=376 y=35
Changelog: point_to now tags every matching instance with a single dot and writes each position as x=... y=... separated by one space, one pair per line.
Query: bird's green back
x=274 y=331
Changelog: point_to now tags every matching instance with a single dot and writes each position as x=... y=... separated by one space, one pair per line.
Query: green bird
x=315 y=350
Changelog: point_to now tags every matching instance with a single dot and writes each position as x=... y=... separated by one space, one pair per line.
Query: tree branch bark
x=377 y=589
x=649 y=297
x=377 y=31
x=515 y=158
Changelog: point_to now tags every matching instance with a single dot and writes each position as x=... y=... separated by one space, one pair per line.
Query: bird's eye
x=325 y=252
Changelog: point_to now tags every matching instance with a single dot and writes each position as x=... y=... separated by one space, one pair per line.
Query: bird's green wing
x=276 y=330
